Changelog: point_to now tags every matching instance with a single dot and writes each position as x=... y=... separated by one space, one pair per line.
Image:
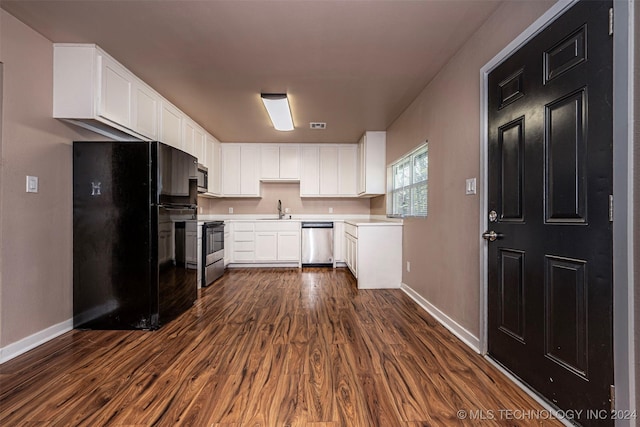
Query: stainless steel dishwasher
x=317 y=243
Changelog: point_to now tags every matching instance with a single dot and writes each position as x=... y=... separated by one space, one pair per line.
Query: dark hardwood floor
x=267 y=347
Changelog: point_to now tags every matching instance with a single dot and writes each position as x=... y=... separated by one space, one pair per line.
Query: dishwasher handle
x=317 y=225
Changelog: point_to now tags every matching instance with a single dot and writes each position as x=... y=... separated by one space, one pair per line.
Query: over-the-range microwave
x=203 y=178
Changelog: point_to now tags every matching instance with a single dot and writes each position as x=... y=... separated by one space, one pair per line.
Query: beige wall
x=444 y=248
x=289 y=193
x=35 y=250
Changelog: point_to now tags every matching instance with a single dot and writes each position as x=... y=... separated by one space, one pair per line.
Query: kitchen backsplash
x=289 y=193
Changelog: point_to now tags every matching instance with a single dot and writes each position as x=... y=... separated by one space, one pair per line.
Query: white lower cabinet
x=228 y=244
x=373 y=253
x=351 y=247
x=266 y=242
x=243 y=242
x=338 y=241
x=266 y=245
x=191 y=245
x=289 y=246
x=166 y=241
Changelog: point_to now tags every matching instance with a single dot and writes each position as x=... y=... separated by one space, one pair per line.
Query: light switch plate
x=32 y=184
x=230 y=210
x=470 y=186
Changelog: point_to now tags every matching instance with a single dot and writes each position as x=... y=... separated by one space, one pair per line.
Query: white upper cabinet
x=214 y=164
x=188 y=136
x=347 y=169
x=290 y=162
x=240 y=170
x=328 y=170
x=249 y=170
x=269 y=162
x=199 y=140
x=309 y=171
x=146 y=106
x=279 y=162
x=170 y=125
x=116 y=91
x=93 y=90
x=372 y=164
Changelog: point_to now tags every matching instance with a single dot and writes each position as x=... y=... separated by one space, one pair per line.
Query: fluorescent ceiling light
x=277 y=106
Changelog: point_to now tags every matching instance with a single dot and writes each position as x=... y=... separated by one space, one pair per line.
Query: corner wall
x=444 y=248
x=36 y=284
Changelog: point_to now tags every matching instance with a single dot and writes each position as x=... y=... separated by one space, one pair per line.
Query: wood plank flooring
x=267 y=347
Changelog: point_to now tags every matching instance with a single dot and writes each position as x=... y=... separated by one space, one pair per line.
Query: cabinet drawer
x=243 y=236
x=243 y=226
x=289 y=226
x=351 y=229
x=277 y=226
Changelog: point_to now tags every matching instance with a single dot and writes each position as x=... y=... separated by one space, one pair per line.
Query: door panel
x=550 y=176
x=512 y=167
x=565 y=146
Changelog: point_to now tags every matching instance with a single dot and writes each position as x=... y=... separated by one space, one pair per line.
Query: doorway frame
x=623 y=268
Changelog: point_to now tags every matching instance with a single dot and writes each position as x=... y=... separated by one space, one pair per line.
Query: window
x=407 y=184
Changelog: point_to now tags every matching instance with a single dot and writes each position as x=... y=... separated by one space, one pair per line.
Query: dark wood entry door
x=550 y=180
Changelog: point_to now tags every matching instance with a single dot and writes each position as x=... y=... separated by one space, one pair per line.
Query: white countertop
x=357 y=220
x=373 y=222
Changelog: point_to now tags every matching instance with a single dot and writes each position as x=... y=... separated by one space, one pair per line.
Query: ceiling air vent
x=317 y=125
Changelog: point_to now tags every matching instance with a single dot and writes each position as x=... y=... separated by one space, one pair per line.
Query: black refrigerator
x=128 y=200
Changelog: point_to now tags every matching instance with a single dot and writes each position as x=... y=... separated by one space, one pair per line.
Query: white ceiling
x=353 y=64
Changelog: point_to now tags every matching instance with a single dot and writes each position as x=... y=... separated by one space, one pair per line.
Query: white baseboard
x=32 y=341
x=454 y=327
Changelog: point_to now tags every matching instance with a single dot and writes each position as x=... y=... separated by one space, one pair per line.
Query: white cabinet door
x=230 y=169
x=240 y=170
x=310 y=173
x=362 y=176
x=115 y=92
x=351 y=253
x=338 y=241
x=188 y=136
x=146 y=104
x=191 y=249
x=328 y=170
x=165 y=241
x=288 y=246
x=214 y=164
x=289 y=161
x=199 y=139
x=250 y=170
x=269 y=161
x=266 y=244
x=170 y=125
x=372 y=166
x=347 y=170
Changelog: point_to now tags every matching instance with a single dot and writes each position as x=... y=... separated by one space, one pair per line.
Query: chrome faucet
x=280 y=214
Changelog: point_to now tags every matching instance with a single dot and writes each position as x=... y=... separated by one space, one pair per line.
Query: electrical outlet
x=32 y=184
x=200 y=209
x=287 y=210
x=230 y=210
x=330 y=210
x=408 y=266
x=470 y=186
